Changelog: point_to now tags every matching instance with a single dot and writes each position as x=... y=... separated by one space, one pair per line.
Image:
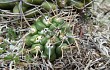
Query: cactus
x=47 y=28
x=35 y=2
x=36 y=48
x=17 y=8
x=6 y=4
x=48 y=6
x=59 y=49
x=51 y=33
x=28 y=41
x=62 y=3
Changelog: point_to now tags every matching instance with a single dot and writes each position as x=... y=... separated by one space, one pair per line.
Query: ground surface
x=91 y=50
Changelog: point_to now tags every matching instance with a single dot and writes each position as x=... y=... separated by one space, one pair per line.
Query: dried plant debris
x=55 y=35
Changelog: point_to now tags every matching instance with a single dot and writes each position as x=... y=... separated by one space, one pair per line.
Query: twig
x=86 y=68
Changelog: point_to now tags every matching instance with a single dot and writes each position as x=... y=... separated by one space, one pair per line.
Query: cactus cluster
x=28 y=6
x=49 y=35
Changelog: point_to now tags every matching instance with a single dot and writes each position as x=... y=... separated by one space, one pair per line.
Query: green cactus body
x=62 y=36
x=37 y=2
x=28 y=41
x=33 y=29
x=86 y=1
x=49 y=36
x=53 y=26
x=39 y=25
x=36 y=48
x=49 y=48
x=65 y=28
x=44 y=40
x=70 y=38
x=52 y=57
x=36 y=38
x=6 y=4
x=76 y=4
x=62 y=3
x=45 y=32
x=46 y=20
x=56 y=40
x=48 y=6
x=17 y=8
x=50 y=51
x=59 y=49
x=57 y=20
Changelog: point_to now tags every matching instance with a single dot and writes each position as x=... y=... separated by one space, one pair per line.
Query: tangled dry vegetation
x=91 y=32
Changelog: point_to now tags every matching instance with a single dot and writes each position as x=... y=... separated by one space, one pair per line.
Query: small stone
x=1 y=39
